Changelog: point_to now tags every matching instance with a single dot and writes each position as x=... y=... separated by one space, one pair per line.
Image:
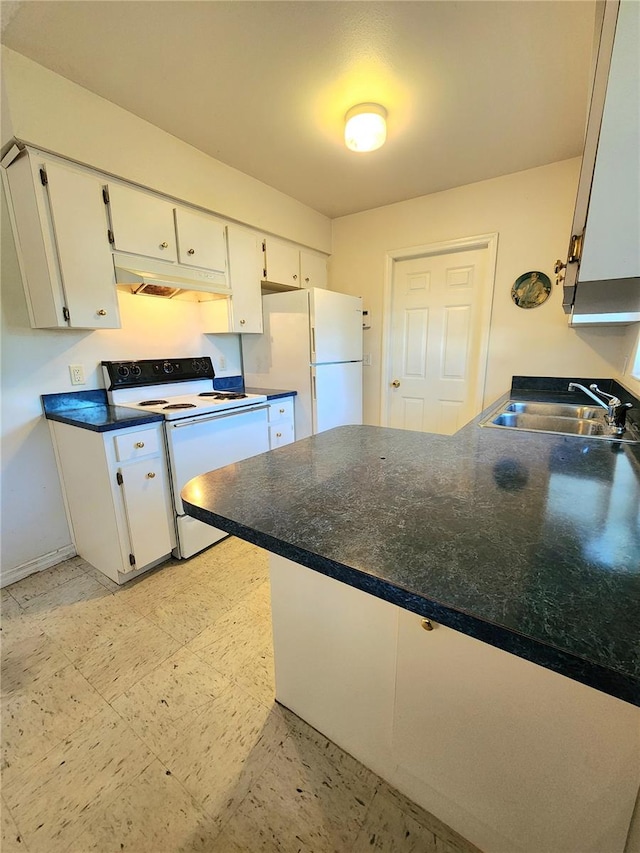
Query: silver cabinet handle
x=295 y=277
x=278 y=435
x=282 y=411
x=151 y=475
x=242 y=322
x=101 y=312
x=139 y=444
x=307 y=279
x=164 y=245
x=191 y=252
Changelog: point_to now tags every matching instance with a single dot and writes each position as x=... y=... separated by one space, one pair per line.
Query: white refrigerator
x=312 y=344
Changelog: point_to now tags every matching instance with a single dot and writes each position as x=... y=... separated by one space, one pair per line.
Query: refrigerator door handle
x=313 y=343
x=313 y=378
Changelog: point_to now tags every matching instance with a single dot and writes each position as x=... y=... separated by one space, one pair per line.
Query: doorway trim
x=444 y=247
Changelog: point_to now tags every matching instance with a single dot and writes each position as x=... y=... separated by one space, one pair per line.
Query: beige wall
x=48 y=111
x=531 y=212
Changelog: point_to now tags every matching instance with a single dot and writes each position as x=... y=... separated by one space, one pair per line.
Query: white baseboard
x=38 y=565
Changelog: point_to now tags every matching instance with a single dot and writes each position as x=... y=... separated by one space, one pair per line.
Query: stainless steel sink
x=548 y=423
x=557 y=418
x=557 y=410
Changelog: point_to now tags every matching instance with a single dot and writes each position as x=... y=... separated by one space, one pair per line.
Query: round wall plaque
x=531 y=289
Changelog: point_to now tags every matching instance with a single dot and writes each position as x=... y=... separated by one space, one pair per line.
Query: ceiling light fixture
x=365 y=127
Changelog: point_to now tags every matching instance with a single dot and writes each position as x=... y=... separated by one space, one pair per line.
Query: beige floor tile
x=115 y=666
x=222 y=752
x=311 y=797
x=102 y=579
x=160 y=706
x=28 y=656
x=234 y=636
x=83 y=626
x=53 y=801
x=39 y=583
x=8 y=605
x=73 y=592
x=388 y=828
x=11 y=841
x=136 y=823
x=36 y=719
x=257 y=676
x=185 y=614
x=238 y=575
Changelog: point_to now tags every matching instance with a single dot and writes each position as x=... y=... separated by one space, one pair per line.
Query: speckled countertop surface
x=90 y=410
x=530 y=542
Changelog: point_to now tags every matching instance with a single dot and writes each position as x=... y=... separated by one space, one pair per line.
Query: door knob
x=395 y=383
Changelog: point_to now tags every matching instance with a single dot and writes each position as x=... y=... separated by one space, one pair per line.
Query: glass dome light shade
x=365 y=127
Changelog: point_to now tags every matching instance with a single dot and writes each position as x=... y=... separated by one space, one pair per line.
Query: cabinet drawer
x=281 y=434
x=133 y=445
x=281 y=410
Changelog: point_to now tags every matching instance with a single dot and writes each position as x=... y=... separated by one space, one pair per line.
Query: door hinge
x=112 y=239
x=43 y=177
x=264 y=245
x=264 y=273
x=119 y=478
x=105 y=195
x=132 y=560
x=65 y=313
x=575 y=249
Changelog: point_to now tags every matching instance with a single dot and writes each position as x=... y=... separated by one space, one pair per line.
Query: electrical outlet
x=222 y=361
x=77 y=374
x=366 y=359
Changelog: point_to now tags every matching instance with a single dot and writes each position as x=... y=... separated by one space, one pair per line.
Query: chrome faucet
x=616 y=410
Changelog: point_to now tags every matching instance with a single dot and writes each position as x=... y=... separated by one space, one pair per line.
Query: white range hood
x=158 y=278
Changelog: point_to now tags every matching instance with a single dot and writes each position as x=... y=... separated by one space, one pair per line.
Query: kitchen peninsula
x=519 y=553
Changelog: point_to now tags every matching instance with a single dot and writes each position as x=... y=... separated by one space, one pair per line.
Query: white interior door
x=438 y=337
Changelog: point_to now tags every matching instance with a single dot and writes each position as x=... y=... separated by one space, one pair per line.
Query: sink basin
x=557 y=418
x=548 y=423
x=558 y=410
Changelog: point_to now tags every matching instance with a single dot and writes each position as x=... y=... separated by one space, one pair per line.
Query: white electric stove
x=205 y=428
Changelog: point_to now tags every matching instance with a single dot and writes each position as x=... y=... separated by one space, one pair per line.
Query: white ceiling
x=474 y=89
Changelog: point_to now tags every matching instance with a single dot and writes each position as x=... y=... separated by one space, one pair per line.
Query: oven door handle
x=230 y=414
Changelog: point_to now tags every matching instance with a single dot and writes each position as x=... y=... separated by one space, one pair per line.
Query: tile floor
x=142 y=718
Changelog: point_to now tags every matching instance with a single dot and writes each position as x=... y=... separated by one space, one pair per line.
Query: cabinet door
x=141 y=223
x=313 y=270
x=281 y=434
x=245 y=268
x=146 y=498
x=282 y=262
x=80 y=227
x=201 y=240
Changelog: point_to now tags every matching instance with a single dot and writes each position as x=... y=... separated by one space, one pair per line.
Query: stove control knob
x=135 y=370
x=167 y=367
x=123 y=370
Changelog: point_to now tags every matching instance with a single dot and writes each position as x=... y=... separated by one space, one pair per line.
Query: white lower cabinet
x=118 y=496
x=514 y=757
x=281 y=422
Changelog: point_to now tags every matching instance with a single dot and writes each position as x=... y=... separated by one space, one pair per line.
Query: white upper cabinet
x=142 y=224
x=602 y=277
x=281 y=262
x=60 y=223
x=201 y=240
x=287 y=265
x=243 y=312
x=313 y=269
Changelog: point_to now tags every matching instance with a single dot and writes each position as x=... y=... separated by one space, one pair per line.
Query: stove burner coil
x=152 y=402
x=181 y=406
x=219 y=395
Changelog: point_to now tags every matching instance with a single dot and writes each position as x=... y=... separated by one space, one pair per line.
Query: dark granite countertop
x=530 y=542
x=90 y=410
x=271 y=393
